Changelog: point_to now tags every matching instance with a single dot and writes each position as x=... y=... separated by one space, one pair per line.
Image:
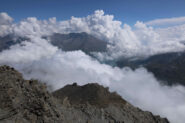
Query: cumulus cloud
x=5 y=19
x=37 y=58
x=171 y=33
x=28 y=51
x=59 y=68
x=154 y=40
x=5 y=23
x=166 y=21
x=124 y=40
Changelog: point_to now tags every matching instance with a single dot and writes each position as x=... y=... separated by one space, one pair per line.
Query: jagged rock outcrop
x=92 y=93
x=25 y=101
x=92 y=103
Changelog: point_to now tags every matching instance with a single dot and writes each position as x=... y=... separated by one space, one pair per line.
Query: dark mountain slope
x=67 y=42
x=169 y=67
x=28 y=101
x=78 y=41
x=9 y=40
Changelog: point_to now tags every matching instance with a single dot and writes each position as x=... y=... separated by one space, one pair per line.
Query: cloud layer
x=124 y=40
x=166 y=21
x=58 y=68
x=37 y=58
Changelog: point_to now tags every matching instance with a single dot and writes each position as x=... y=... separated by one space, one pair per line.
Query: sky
x=127 y=11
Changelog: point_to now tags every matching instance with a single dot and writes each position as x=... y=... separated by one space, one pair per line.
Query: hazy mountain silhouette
x=169 y=67
x=78 y=41
x=9 y=40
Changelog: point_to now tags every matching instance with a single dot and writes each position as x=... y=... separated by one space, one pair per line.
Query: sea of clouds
x=36 y=58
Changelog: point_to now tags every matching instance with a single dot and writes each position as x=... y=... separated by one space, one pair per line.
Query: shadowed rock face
x=28 y=101
x=78 y=41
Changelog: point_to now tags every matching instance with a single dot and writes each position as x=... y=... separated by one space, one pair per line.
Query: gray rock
x=113 y=108
x=28 y=101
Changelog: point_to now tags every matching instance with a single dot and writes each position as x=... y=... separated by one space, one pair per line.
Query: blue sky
x=127 y=11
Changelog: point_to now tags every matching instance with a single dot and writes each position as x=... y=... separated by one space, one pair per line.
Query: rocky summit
x=28 y=101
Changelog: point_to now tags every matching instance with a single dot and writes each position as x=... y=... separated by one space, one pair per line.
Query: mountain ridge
x=28 y=101
x=78 y=41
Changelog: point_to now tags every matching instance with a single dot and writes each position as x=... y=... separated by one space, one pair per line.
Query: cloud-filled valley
x=37 y=58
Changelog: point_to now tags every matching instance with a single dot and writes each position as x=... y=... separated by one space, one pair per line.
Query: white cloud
x=5 y=23
x=5 y=19
x=175 y=33
x=28 y=51
x=166 y=21
x=45 y=62
x=38 y=59
x=140 y=40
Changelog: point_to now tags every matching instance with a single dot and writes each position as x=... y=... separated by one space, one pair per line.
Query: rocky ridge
x=25 y=101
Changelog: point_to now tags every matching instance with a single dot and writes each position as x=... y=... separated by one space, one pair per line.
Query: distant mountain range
x=9 y=40
x=168 y=67
x=78 y=41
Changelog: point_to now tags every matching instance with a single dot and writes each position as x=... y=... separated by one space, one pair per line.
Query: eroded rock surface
x=92 y=103
x=25 y=100
x=28 y=101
